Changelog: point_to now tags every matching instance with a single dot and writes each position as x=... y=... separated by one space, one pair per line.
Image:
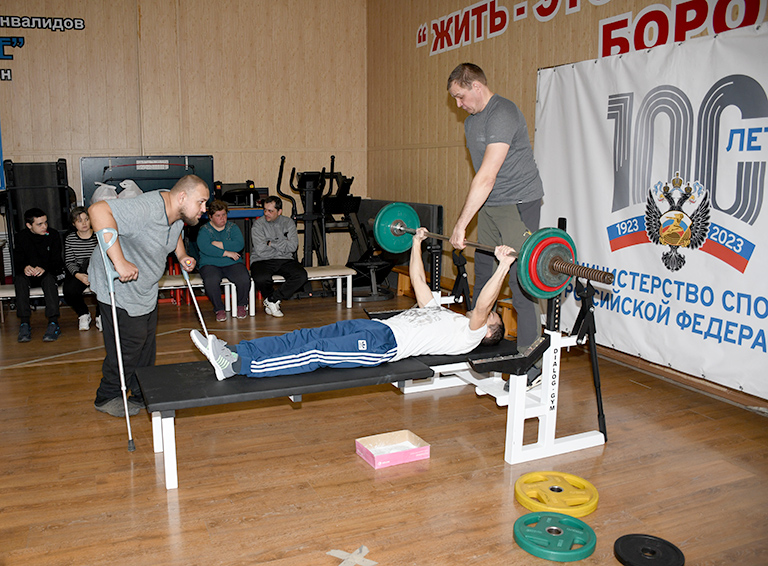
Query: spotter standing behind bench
x=423 y=330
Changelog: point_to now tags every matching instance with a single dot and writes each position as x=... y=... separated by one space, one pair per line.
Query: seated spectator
x=38 y=262
x=274 y=241
x=78 y=248
x=220 y=243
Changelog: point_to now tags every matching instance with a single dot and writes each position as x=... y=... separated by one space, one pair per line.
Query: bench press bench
x=169 y=388
x=174 y=387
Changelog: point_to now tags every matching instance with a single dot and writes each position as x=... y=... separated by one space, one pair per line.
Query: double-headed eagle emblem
x=675 y=228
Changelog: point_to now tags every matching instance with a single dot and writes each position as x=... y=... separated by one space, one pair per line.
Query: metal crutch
x=197 y=307
x=111 y=276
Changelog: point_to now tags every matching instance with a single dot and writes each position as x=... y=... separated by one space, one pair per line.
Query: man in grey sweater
x=274 y=242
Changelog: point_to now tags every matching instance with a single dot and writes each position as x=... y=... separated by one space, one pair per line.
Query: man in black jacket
x=39 y=262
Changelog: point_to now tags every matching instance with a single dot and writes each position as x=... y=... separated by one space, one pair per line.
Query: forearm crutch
x=111 y=276
x=197 y=307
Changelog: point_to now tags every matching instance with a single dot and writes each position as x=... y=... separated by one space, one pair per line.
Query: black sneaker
x=25 y=332
x=534 y=378
x=52 y=332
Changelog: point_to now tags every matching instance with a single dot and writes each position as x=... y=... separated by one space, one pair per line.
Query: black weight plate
x=551 y=278
x=647 y=550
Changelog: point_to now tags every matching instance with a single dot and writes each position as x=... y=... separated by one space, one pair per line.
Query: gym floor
x=275 y=483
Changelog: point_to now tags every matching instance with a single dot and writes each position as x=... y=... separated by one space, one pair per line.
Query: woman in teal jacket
x=221 y=243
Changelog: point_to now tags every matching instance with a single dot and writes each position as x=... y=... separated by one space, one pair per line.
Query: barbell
x=545 y=263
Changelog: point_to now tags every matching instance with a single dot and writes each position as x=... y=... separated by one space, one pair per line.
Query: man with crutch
x=148 y=228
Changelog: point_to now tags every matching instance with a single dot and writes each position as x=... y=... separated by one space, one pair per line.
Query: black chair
x=41 y=185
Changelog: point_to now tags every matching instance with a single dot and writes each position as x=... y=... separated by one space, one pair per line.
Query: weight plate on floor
x=554 y=536
x=647 y=550
x=557 y=492
x=387 y=222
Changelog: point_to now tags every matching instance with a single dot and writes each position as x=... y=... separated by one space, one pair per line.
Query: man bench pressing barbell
x=426 y=329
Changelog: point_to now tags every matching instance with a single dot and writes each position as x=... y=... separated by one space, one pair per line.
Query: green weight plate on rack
x=554 y=536
x=387 y=223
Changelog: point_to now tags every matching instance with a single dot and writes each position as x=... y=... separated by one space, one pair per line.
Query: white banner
x=657 y=159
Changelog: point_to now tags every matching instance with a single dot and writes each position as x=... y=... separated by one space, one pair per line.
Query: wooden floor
x=273 y=483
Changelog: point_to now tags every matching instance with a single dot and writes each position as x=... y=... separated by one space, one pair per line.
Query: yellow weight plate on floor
x=556 y=492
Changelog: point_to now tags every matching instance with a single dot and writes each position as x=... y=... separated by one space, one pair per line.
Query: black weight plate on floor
x=647 y=550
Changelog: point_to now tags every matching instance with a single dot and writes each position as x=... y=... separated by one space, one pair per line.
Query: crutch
x=197 y=307
x=111 y=276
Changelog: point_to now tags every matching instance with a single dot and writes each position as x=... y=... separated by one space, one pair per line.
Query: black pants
x=294 y=273
x=23 y=284
x=138 y=345
x=73 y=295
x=237 y=273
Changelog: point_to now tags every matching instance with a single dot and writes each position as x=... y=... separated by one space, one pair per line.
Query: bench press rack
x=540 y=402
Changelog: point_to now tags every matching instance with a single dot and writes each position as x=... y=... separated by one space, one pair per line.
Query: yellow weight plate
x=557 y=492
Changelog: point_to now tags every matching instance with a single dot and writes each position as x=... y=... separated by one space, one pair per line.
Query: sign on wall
x=658 y=161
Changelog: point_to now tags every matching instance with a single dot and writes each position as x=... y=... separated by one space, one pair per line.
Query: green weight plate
x=535 y=243
x=647 y=550
x=385 y=227
x=554 y=536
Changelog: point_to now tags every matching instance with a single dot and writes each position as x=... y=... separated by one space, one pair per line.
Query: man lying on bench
x=428 y=329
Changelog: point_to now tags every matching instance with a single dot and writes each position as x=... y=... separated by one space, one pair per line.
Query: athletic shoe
x=216 y=351
x=116 y=408
x=272 y=309
x=241 y=311
x=534 y=378
x=84 y=321
x=52 y=332
x=98 y=323
x=25 y=332
x=221 y=316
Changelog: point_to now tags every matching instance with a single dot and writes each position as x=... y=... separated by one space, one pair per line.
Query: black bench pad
x=503 y=348
x=194 y=384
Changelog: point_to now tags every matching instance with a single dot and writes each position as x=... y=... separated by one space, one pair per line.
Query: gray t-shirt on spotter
x=518 y=179
x=146 y=239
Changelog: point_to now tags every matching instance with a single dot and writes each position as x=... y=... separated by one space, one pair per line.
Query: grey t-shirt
x=146 y=239
x=518 y=179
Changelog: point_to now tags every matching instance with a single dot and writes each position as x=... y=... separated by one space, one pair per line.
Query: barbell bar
x=546 y=261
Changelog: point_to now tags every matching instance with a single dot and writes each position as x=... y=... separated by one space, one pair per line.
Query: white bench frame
x=8 y=292
x=539 y=403
x=319 y=273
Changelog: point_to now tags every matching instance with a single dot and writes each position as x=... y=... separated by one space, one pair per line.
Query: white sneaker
x=98 y=323
x=272 y=309
x=84 y=321
x=220 y=357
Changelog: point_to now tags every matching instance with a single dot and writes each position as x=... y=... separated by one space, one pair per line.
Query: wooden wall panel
x=243 y=80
